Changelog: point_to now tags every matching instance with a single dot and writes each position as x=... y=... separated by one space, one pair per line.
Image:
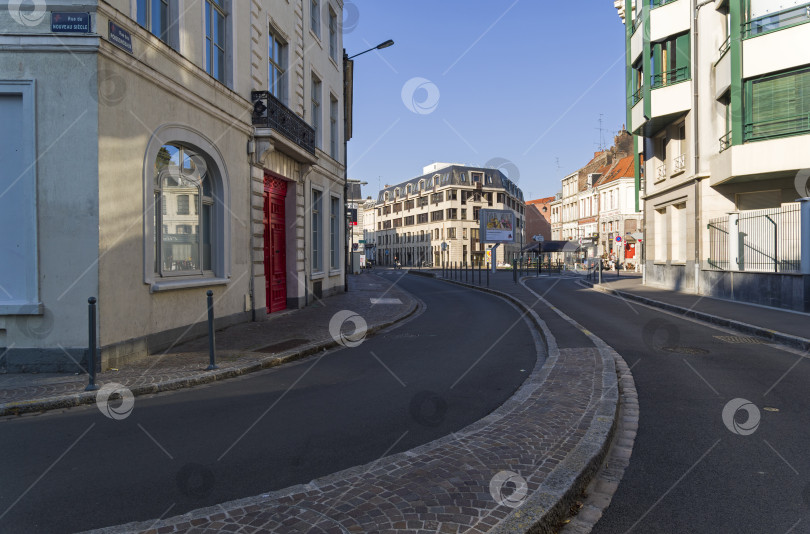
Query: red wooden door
x=275 y=246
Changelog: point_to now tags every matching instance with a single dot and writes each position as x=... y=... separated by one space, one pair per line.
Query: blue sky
x=470 y=81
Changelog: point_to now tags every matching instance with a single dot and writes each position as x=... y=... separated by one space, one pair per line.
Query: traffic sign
x=539 y=238
x=618 y=239
x=444 y=246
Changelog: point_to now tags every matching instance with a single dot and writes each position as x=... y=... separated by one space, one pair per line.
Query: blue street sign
x=618 y=239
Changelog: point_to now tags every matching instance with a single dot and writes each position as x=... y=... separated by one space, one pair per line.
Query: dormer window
x=421 y=185
x=463 y=178
x=396 y=192
x=386 y=196
x=409 y=189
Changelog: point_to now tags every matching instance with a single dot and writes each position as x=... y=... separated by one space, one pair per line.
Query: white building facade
x=416 y=217
x=718 y=100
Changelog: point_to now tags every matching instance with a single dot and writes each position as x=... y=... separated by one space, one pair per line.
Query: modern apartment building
x=434 y=218
x=718 y=98
x=158 y=149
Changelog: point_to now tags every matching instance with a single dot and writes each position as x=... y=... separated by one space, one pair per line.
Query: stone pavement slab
x=783 y=326
x=243 y=348
x=512 y=471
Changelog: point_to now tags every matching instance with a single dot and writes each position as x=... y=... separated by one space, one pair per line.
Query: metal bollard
x=514 y=271
x=212 y=358
x=91 y=335
x=466 y=272
x=479 y=273
x=487 y=277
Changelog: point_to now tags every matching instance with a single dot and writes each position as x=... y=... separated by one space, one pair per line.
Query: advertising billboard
x=497 y=226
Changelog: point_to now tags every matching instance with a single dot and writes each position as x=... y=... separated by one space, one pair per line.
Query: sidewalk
x=546 y=441
x=240 y=349
x=782 y=326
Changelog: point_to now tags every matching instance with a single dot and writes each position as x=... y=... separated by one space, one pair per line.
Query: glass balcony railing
x=757 y=131
x=777 y=21
x=670 y=77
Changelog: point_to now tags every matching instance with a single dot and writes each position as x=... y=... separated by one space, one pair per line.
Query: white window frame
x=333 y=33
x=315 y=17
x=334 y=232
x=334 y=136
x=316 y=88
x=221 y=222
x=316 y=231
x=275 y=42
x=210 y=6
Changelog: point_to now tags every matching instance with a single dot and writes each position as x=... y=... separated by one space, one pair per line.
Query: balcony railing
x=637 y=22
x=670 y=77
x=661 y=171
x=679 y=165
x=725 y=141
x=756 y=131
x=725 y=46
x=270 y=112
x=776 y=21
x=636 y=97
x=659 y=3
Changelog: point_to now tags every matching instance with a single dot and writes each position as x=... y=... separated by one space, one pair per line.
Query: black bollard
x=212 y=358
x=514 y=271
x=91 y=352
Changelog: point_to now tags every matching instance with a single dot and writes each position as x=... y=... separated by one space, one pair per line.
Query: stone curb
x=745 y=328
x=89 y=397
x=550 y=504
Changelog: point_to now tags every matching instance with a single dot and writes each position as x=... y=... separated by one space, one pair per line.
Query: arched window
x=183 y=212
x=409 y=189
x=187 y=211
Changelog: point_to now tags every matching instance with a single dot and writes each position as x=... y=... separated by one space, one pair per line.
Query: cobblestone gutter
x=551 y=434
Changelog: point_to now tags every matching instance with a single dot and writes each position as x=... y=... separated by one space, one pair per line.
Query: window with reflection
x=183 y=212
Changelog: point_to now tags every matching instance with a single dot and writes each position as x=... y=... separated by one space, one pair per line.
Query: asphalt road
x=77 y=469
x=689 y=471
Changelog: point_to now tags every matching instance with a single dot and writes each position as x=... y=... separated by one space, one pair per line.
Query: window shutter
x=682 y=55
x=780 y=105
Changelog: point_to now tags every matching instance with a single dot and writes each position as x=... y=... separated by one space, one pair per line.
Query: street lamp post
x=346 y=93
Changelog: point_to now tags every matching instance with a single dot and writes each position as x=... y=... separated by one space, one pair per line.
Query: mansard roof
x=457 y=175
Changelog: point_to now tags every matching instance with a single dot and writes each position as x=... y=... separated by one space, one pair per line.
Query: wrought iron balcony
x=270 y=112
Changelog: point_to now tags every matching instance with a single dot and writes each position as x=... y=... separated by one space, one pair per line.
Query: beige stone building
x=416 y=217
x=160 y=149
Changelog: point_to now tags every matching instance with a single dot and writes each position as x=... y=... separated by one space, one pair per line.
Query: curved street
x=691 y=471
x=423 y=379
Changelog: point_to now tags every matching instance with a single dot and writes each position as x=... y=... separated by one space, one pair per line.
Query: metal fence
x=768 y=240
x=718 y=244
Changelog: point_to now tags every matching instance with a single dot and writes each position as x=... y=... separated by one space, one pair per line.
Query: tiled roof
x=624 y=168
x=540 y=200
